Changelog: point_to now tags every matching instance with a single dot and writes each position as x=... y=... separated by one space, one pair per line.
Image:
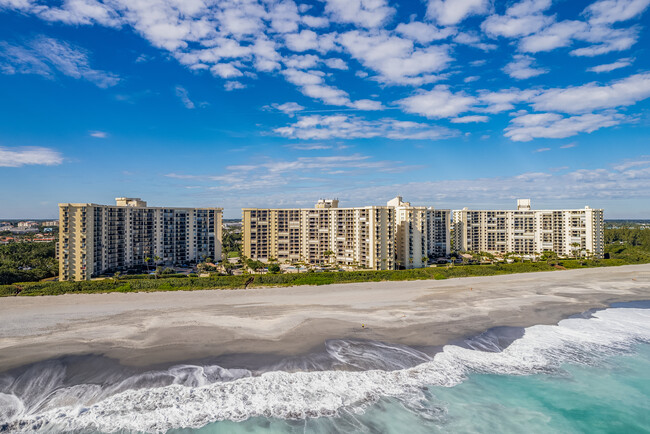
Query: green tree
x=274 y=268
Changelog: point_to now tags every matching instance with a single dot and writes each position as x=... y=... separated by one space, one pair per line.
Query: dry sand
x=164 y=327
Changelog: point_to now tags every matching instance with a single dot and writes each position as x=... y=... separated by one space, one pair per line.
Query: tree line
x=27 y=262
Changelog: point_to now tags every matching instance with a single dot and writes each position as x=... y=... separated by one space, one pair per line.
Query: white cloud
x=591 y=96
x=98 y=134
x=395 y=58
x=542 y=150
x=304 y=61
x=607 y=67
x=47 y=57
x=522 y=67
x=367 y=104
x=528 y=7
x=503 y=100
x=288 y=108
x=309 y=40
x=470 y=119
x=181 y=92
x=612 y=11
x=350 y=127
x=422 y=32
x=439 y=102
x=605 y=40
x=554 y=36
x=452 y=12
x=284 y=16
x=574 y=186
x=473 y=40
x=336 y=63
x=520 y=19
x=29 y=155
x=514 y=27
x=232 y=85
x=525 y=128
x=315 y=22
x=364 y=13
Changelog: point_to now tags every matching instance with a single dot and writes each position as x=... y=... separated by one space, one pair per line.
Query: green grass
x=619 y=257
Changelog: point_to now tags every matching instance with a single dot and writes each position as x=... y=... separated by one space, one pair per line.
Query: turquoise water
x=610 y=397
x=585 y=374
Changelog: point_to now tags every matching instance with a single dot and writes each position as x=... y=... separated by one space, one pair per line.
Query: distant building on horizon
x=94 y=239
x=375 y=237
x=530 y=232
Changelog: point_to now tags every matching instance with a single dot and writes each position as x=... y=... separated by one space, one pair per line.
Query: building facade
x=94 y=239
x=420 y=233
x=324 y=234
x=525 y=231
x=397 y=235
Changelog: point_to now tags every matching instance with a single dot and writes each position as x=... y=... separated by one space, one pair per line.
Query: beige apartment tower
x=375 y=237
x=94 y=239
x=421 y=233
x=566 y=232
x=324 y=234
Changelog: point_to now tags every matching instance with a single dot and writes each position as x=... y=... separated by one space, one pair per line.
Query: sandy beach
x=142 y=329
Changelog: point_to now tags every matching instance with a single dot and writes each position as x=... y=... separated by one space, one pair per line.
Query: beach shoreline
x=145 y=329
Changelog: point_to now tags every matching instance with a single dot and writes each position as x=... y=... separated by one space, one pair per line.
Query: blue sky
x=450 y=103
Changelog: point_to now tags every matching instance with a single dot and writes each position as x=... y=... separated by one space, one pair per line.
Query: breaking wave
x=49 y=398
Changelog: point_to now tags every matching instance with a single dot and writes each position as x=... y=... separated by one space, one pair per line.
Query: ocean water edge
x=588 y=373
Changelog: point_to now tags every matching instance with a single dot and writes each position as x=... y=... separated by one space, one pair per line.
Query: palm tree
x=156 y=259
x=425 y=260
x=576 y=249
x=146 y=261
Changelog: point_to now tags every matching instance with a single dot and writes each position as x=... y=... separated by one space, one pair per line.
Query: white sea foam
x=193 y=396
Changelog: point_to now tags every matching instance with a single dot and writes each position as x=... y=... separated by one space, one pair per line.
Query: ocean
x=588 y=373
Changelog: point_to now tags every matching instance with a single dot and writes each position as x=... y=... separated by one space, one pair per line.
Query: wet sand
x=143 y=329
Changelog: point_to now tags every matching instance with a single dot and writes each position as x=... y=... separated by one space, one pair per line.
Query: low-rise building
x=524 y=231
x=94 y=239
x=27 y=224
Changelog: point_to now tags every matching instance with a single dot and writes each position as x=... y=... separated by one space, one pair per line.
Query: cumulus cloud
x=612 y=11
x=288 y=108
x=395 y=59
x=49 y=57
x=592 y=96
x=348 y=127
x=522 y=67
x=364 y=13
x=527 y=127
x=437 y=103
x=452 y=12
x=557 y=35
x=29 y=155
x=423 y=32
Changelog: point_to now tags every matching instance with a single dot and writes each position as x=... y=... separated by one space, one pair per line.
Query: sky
x=277 y=103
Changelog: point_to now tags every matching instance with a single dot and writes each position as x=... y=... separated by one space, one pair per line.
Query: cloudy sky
x=236 y=103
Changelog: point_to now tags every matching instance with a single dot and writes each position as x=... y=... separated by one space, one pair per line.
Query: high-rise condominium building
x=372 y=237
x=325 y=234
x=94 y=239
x=566 y=232
x=420 y=233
